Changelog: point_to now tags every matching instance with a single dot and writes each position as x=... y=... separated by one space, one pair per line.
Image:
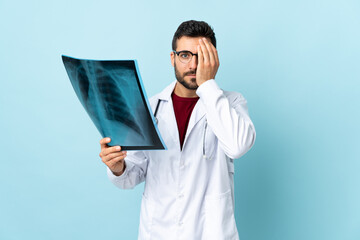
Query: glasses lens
x=185 y=56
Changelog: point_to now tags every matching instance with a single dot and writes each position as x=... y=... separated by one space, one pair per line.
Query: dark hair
x=194 y=28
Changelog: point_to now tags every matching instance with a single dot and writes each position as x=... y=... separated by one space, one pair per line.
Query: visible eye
x=185 y=55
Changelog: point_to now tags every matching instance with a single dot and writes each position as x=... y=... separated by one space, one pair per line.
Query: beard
x=191 y=85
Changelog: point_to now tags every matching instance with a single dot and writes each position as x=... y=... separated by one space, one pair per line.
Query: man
x=189 y=188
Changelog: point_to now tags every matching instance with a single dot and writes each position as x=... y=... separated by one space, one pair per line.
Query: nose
x=193 y=62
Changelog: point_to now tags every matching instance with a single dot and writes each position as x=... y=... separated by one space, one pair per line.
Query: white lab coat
x=189 y=194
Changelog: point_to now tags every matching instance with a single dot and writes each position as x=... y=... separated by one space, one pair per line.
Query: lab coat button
x=181 y=195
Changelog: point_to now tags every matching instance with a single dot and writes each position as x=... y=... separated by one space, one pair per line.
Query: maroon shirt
x=183 y=108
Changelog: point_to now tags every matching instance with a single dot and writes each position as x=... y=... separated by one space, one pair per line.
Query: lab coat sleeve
x=135 y=171
x=228 y=117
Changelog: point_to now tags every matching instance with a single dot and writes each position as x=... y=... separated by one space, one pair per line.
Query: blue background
x=296 y=62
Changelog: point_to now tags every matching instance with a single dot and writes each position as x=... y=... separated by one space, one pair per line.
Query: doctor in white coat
x=189 y=188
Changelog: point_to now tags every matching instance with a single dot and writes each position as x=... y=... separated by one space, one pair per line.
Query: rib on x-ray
x=113 y=95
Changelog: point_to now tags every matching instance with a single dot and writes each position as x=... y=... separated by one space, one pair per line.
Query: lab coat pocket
x=230 y=163
x=209 y=143
x=219 y=221
x=146 y=218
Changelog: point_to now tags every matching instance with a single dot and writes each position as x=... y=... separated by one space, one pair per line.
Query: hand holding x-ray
x=113 y=157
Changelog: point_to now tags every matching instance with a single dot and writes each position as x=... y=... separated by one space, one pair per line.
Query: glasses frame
x=186 y=51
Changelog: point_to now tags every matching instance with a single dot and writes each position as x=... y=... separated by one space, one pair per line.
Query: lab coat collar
x=166 y=93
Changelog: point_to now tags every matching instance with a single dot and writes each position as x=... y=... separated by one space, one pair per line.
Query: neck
x=182 y=91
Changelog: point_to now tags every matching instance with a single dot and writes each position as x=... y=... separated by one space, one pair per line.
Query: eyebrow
x=186 y=51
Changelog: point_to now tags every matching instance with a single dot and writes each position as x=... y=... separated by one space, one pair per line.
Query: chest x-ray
x=113 y=95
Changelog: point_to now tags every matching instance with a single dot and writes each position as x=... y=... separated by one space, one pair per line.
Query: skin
x=199 y=70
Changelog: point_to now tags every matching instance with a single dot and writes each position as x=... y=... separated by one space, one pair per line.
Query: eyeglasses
x=185 y=56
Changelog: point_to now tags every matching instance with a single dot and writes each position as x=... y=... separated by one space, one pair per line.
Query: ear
x=172 y=57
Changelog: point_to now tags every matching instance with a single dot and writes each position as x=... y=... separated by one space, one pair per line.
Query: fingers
x=200 y=57
x=204 y=51
x=115 y=160
x=211 y=55
x=104 y=142
x=110 y=157
x=215 y=54
x=108 y=150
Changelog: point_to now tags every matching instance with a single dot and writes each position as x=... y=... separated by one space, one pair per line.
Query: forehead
x=187 y=43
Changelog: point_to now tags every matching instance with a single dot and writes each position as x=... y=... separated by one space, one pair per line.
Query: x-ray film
x=113 y=95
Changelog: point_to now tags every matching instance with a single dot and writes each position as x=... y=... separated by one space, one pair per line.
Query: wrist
x=200 y=82
x=119 y=173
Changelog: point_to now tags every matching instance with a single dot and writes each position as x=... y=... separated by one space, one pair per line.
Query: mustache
x=190 y=73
